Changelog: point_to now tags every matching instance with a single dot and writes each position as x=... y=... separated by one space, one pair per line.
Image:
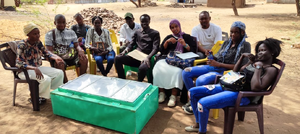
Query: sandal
x=41 y=100
x=191 y=129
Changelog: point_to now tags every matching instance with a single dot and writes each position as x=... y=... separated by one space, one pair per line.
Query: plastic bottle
x=83 y=41
x=210 y=57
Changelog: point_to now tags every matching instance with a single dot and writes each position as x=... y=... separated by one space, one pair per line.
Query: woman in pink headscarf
x=166 y=76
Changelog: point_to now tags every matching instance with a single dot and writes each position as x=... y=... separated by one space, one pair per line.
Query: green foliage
x=38 y=11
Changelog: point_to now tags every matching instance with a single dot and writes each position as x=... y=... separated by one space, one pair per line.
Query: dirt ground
x=281 y=109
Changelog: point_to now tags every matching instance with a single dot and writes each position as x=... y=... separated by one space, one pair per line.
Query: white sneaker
x=162 y=97
x=172 y=101
x=128 y=73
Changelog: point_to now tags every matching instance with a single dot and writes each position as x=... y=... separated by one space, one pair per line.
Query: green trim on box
x=106 y=112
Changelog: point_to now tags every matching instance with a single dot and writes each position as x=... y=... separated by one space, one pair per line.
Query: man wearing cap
x=29 y=53
x=127 y=31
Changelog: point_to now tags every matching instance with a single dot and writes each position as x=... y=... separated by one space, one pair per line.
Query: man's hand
x=79 y=39
x=81 y=55
x=147 y=62
x=172 y=40
x=59 y=61
x=206 y=51
x=38 y=73
x=213 y=63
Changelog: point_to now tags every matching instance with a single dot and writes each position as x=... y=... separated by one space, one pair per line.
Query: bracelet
x=186 y=45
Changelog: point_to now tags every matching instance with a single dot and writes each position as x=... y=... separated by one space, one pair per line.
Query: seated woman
x=166 y=76
x=260 y=75
x=101 y=45
x=29 y=53
x=225 y=59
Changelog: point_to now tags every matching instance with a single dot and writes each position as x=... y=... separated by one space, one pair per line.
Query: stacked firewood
x=110 y=19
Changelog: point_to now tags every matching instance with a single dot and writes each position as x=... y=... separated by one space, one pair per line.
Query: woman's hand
x=172 y=40
x=182 y=42
x=81 y=55
x=213 y=63
x=38 y=73
x=250 y=56
x=206 y=52
x=258 y=64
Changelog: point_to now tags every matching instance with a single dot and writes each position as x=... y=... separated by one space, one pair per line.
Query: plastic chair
x=92 y=62
x=136 y=69
x=214 y=50
x=229 y=112
x=224 y=36
x=7 y=56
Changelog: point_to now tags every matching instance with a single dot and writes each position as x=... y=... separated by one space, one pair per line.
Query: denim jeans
x=206 y=75
x=110 y=61
x=203 y=99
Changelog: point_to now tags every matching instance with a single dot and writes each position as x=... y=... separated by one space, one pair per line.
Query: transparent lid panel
x=120 y=89
x=81 y=82
x=131 y=91
x=105 y=87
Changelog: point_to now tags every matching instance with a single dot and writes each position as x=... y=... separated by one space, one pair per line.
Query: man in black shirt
x=80 y=29
x=145 y=40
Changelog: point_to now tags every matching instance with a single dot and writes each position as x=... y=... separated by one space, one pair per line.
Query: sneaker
x=191 y=129
x=186 y=105
x=172 y=101
x=162 y=97
x=128 y=73
x=188 y=110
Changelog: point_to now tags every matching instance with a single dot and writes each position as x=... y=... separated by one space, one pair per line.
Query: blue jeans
x=204 y=99
x=110 y=61
x=206 y=75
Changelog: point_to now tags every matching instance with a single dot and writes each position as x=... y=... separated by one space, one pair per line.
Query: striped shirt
x=64 y=38
x=101 y=42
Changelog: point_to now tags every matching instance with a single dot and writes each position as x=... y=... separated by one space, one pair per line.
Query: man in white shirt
x=127 y=31
x=207 y=34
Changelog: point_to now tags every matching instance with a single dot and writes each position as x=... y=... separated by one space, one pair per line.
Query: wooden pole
x=234 y=8
x=134 y=3
x=298 y=7
x=2 y=4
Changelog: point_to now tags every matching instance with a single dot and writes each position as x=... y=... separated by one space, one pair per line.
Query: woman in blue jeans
x=101 y=45
x=225 y=59
x=260 y=74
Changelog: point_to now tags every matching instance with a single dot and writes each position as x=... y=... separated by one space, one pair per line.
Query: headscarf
x=179 y=46
x=29 y=27
x=242 y=26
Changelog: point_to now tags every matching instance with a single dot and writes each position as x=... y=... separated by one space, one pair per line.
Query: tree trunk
x=298 y=7
x=234 y=8
x=134 y=3
x=2 y=4
x=139 y=2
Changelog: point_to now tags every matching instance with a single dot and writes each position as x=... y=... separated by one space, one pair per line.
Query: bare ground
x=281 y=109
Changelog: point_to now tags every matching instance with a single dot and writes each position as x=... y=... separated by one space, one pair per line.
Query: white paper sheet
x=187 y=55
x=136 y=54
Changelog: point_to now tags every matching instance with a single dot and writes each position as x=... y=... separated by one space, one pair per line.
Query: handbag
x=233 y=81
x=101 y=46
x=174 y=60
x=63 y=51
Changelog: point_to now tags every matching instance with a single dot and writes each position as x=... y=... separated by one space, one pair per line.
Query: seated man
x=207 y=34
x=62 y=43
x=80 y=29
x=29 y=56
x=147 y=41
x=127 y=31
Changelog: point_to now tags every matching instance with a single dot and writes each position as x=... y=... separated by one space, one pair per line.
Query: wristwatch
x=258 y=67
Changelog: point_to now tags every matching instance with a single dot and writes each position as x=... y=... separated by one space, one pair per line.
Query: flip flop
x=41 y=100
x=191 y=129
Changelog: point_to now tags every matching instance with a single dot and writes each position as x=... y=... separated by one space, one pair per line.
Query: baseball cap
x=129 y=15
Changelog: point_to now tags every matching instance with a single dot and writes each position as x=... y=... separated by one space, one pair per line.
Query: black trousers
x=127 y=60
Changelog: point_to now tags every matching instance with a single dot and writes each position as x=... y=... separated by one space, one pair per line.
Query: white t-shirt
x=126 y=32
x=207 y=37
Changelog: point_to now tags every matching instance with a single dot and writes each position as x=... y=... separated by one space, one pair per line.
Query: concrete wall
x=8 y=3
x=282 y=1
x=225 y=3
